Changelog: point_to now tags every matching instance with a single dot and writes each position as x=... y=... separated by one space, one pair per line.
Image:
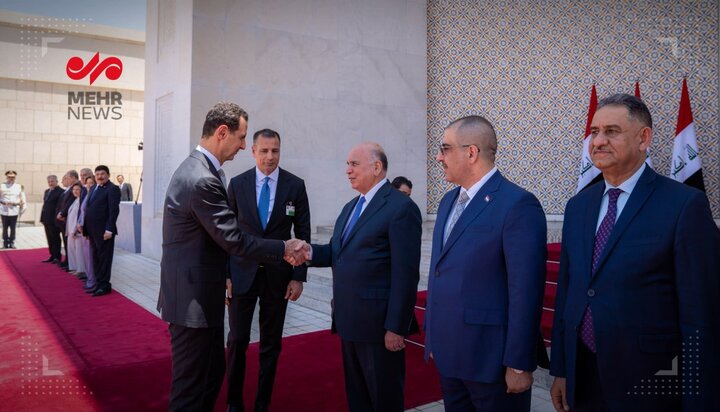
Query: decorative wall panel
x=529 y=67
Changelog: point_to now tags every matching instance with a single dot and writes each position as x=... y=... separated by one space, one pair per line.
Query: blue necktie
x=354 y=218
x=264 y=203
x=92 y=195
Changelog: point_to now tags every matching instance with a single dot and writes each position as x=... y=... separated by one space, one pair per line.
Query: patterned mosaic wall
x=529 y=66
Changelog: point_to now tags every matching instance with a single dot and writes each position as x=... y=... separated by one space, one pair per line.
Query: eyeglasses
x=444 y=148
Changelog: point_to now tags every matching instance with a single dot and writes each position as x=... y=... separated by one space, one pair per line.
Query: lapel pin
x=488 y=198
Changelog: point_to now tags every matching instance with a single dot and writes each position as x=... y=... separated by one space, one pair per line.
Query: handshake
x=297 y=251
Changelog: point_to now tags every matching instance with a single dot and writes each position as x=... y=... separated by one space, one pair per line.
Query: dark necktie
x=92 y=195
x=354 y=218
x=264 y=203
x=587 y=331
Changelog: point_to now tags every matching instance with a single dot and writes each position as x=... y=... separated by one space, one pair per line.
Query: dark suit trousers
x=54 y=239
x=198 y=359
x=374 y=377
x=273 y=306
x=467 y=396
x=9 y=223
x=102 y=257
x=588 y=390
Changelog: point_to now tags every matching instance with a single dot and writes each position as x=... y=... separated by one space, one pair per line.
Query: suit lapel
x=477 y=205
x=377 y=202
x=281 y=192
x=442 y=220
x=200 y=155
x=249 y=190
x=591 y=219
x=342 y=222
x=640 y=194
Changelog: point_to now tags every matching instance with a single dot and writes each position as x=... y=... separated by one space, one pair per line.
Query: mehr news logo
x=88 y=105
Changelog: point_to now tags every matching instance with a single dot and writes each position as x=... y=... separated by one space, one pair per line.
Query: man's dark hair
x=636 y=107
x=401 y=180
x=269 y=133
x=223 y=113
x=102 y=167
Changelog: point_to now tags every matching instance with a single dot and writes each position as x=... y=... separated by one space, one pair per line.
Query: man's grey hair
x=636 y=108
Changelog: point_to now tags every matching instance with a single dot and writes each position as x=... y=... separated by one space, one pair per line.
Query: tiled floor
x=138 y=278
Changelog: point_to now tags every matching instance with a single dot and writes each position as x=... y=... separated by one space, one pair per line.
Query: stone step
x=316 y=296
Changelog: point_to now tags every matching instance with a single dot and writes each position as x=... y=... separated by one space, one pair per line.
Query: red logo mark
x=77 y=69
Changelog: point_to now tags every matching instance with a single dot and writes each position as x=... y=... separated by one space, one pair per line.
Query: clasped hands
x=297 y=251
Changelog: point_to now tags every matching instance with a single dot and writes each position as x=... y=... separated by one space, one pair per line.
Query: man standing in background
x=47 y=218
x=126 y=193
x=10 y=204
x=269 y=203
x=101 y=213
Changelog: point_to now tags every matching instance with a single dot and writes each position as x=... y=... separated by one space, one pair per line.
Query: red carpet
x=113 y=355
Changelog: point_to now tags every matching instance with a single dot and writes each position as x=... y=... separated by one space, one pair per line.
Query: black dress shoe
x=87 y=288
x=101 y=292
x=55 y=261
x=90 y=290
x=48 y=260
x=233 y=408
x=82 y=278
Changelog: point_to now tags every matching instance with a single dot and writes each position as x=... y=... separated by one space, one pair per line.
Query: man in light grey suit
x=126 y=193
x=199 y=231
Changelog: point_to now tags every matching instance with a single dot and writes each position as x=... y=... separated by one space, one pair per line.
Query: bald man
x=487 y=276
x=375 y=256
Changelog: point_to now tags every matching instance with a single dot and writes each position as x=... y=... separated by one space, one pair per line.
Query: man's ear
x=645 y=138
x=221 y=132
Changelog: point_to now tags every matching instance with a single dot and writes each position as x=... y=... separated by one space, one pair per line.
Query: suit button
x=591 y=292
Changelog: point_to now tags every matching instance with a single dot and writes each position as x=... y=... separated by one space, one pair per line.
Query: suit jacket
x=50 y=205
x=126 y=193
x=486 y=283
x=242 y=197
x=63 y=205
x=102 y=210
x=655 y=289
x=376 y=269
x=199 y=230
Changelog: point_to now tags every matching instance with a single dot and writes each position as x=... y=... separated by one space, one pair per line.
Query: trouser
x=54 y=239
x=9 y=223
x=198 y=367
x=270 y=289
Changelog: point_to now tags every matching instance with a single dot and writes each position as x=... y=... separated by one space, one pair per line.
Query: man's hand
x=107 y=235
x=294 y=290
x=558 y=394
x=60 y=217
x=518 y=382
x=296 y=252
x=394 y=342
x=228 y=291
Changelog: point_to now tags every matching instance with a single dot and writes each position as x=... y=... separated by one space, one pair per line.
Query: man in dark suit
x=636 y=317
x=487 y=275
x=126 y=193
x=375 y=256
x=269 y=202
x=199 y=231
x=47 y=218
x=63 y=208
x=101 y=213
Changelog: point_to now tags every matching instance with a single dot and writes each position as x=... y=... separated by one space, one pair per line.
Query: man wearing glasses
x=487 y=276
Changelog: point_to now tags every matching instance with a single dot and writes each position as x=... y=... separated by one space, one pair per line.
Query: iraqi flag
x=686 y=166
x=648 y=159
x=589 y=174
